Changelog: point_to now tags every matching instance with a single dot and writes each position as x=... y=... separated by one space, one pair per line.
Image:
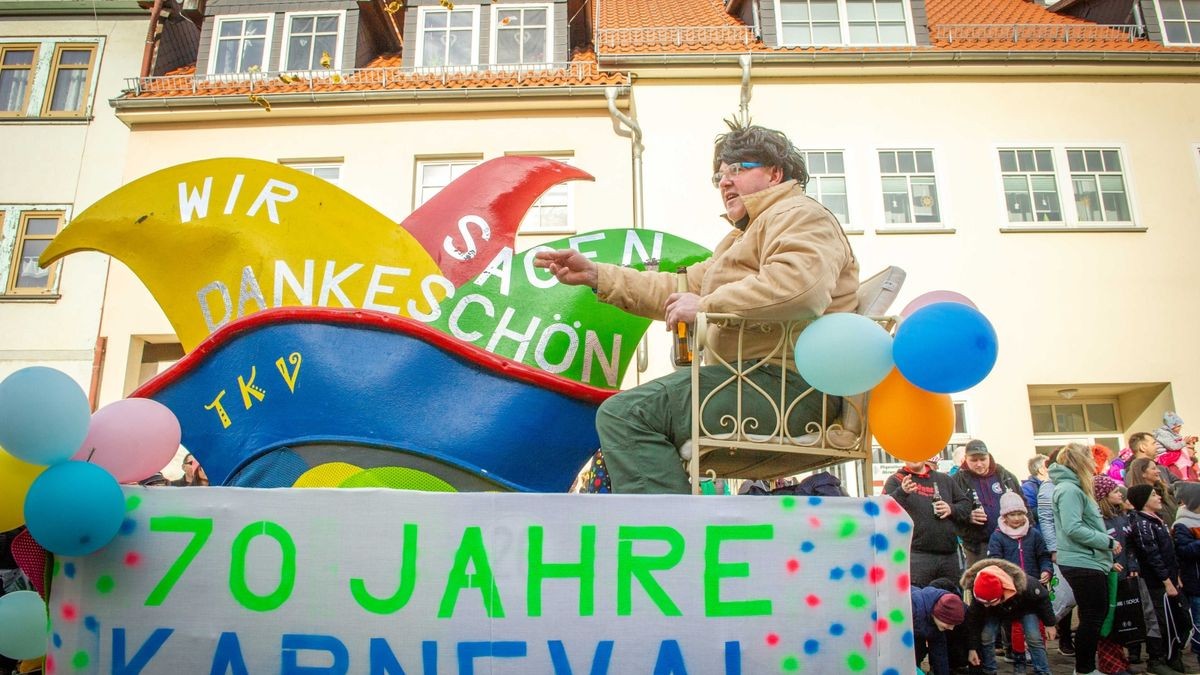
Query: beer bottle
x=682 y=348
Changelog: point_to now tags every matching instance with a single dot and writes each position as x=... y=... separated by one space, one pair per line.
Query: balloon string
x=89 y=457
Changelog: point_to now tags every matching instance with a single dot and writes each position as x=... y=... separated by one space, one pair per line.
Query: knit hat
x=976 y=447
x=993 y=584
x=949 y=609
x=1139 y=495
x=1188 y=494
x=1010 y=502
x=1171 y=419
x=1102 y=485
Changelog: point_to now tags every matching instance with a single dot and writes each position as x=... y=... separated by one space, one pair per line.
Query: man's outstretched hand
x=568 y=266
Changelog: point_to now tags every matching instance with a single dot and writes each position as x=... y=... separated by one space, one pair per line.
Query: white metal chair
x=746 y=447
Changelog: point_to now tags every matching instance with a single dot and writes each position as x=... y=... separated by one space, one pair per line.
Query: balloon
x=15 y=478
x=844 y=354
x=945 y=347
x=23 y=616
x=43 y=415
x=74 y=508
x=910 y=423
x=133 y=438
x=926 y=299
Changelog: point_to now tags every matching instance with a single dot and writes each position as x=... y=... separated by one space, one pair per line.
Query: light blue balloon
x=24 y=632
x=44 y=415
x=74 y=508
x=945 y=347
x=844 y=354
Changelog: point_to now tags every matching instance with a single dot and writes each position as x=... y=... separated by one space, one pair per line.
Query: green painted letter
x=584 y=570
x=408 y=580
x=715 y=570
x=629 y=566
x=471 y=551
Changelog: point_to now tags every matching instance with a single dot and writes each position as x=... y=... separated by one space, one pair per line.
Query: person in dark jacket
x=935 y=504
x=982 y=480
x=1186 y=535
x=1030 y=487
x=935 y=611
x=1160 y=570
x=1000 y=593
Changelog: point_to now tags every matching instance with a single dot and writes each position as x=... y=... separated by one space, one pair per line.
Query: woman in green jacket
x=1085 y=551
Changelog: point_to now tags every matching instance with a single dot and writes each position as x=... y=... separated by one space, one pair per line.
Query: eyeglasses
x=733 y=171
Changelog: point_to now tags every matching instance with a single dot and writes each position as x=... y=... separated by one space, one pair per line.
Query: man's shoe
x=1066 y=649
x=1160 y=668
x=1182 y=667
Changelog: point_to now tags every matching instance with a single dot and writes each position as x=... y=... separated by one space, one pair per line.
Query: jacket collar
x=757 y=202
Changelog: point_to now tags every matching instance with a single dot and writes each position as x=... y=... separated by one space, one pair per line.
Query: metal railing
x=677 y=36
x=364 y=79
x=1036 y=32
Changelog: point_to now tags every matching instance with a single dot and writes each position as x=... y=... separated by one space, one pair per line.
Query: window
x=447 y=37
x=16 y=78
x=827 y=181
x=1030 y=187
x=1181 y=21
x=70 y=80
x=850 y=22
x=34 y=230
x=434 y=175
x=552 y=211
x=240 y=44
x=1099 y=185
x=522 y=34
x=909 y=189
x=1075 y=417
x=312 y=41
x=331 y=172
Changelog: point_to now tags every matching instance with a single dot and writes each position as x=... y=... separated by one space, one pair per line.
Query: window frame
x=569 y=185
x=419 y=173
x=844 y=27
x=216 y=38
x=1055 y=173
x=33 y=74
x=19 y=239
x=310 y=166
x=51 y=79
x=422 y=12
x=847 y=225
x=285 y=41
x=941 y=199
x=1065 y=185
x=1162 y=24
x=1083 y=402
x=1083 y=147
x=495 y=30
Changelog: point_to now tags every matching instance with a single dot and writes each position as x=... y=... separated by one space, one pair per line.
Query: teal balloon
x=44 y=415
x=24 y=632
x=74 y=508
x=844 y=354
x=945 y=347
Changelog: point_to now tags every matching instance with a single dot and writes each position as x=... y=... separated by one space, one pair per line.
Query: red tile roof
x=703 y=26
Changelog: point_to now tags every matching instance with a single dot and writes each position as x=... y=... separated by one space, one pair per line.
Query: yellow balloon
x=15 y=478
x=217 y=239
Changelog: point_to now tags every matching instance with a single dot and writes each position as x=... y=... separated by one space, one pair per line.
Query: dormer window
x=241 y=44
x=310 y=39
x=447 y=37
x=1181 y=21
x=522 y=34
x=806 y=23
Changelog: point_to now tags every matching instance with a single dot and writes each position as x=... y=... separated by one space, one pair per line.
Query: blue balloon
x=23 y=616
x=74 y=508
x=844 y=354
x=945 y=347
x=44 y=415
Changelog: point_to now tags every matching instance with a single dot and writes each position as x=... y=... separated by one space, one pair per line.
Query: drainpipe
x=635 y=133
x=148 y=52
x=744 y=107
x=1139 y=19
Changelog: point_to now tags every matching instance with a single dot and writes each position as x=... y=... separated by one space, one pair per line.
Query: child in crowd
x=1018 y=543
x=1160 y=570
x=1001 y=592
x=1186 y=534
x=935 y=611
x=1110 y=497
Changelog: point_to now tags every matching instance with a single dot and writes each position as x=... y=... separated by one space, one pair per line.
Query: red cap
x=988 y=587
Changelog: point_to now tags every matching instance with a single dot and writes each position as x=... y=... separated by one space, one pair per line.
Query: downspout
x=148 y=52
x=1138 y=19
x=744 y=106
x=635 y=133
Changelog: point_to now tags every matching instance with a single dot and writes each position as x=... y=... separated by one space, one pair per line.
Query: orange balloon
x=910 y=423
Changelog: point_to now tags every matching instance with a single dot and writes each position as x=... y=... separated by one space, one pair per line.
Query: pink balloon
x=926 y=299
x=133 y=438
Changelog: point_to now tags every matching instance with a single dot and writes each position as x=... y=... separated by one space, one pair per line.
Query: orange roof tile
x=703 y=26
x=382 y=74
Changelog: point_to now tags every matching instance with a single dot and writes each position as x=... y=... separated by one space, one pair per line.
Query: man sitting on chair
x=787 y=258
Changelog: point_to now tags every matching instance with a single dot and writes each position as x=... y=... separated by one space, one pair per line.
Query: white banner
x=241 y=581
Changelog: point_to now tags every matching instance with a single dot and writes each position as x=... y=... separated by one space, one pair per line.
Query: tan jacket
x=792 y=262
